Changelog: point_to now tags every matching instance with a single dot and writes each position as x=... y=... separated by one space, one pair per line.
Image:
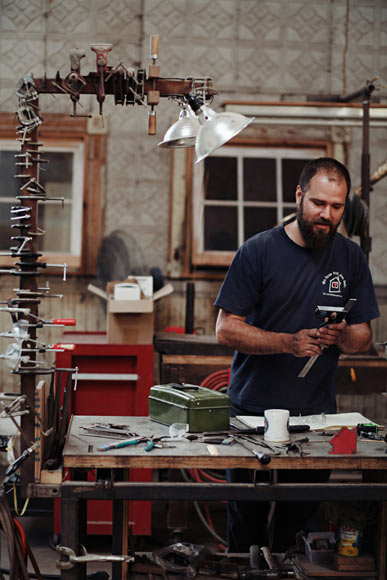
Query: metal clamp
x=72 y=559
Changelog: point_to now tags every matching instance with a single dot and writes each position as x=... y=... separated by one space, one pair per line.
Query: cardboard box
x=129 y=321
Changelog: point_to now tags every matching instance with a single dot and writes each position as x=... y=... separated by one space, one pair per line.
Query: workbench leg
x=73 y=532
x=120 y=530
x=382 y=540
x=380 y=477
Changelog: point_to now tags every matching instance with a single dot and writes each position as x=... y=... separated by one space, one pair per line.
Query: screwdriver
x=124 y=443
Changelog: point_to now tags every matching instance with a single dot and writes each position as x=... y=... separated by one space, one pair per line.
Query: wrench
x=73 y=559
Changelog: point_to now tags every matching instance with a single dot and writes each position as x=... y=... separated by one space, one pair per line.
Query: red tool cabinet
x=115 y=380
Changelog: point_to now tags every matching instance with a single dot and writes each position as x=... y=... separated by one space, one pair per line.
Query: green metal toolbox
x=200 y=408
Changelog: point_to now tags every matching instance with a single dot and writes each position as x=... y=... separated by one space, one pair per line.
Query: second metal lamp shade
x=215 y=128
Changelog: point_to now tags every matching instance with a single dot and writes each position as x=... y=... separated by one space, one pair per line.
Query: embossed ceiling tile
x=217 y=63
x=21 y=15
x=154 y=160
x=362 y=25
x=166 y=18
x=129 y=54
x=122 y=162
x=259 y=69
x=72 y=15
x=120 y=16
x=172 y=59
x=359 y=68
x=306 y=71
x=214 y=19
x=58 y=56
x=378 y=258
x=378 y=211
x=20 y=58
x=383 y=27
x=154 y=246
x=121 y=210
x=308 y=21
x=152 y=199
x=127 y=120
x=338 y=25
x=8 y=100
x=260 y=20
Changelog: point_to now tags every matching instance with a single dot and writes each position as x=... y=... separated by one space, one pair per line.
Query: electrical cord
x=18 y=567
x=217 y=381
x=206 y=521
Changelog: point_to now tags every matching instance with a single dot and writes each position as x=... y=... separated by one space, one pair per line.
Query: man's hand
x=330 y=334
x=305 y=343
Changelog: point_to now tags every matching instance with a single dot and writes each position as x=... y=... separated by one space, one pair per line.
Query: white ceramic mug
x=276 y=425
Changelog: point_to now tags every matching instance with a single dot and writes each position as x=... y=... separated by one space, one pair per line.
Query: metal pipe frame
x=166 y=491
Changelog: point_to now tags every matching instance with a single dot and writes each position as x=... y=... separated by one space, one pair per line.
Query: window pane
x=8 y=183
x=220 y=178
x=58 y=175
x=291 y=170
x=259 y=179
x=56 y=222
x=259 y=219
x=5 y=228
x=220 y=228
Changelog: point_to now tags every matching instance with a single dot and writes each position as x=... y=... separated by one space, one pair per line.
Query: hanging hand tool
x=332 y=315
x=54 y=322
x=101 y=50
x=153 y=97
x=16 y=464
x=74 y=81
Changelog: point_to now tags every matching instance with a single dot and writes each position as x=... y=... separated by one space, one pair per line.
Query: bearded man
x=267 y=314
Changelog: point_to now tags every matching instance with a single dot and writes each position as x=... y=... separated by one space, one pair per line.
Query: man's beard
x=315 y=239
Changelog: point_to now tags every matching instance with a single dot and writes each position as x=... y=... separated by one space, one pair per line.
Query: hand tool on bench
x=332 y=315
x=124 y=443
x=263 y=458
x=254 y=430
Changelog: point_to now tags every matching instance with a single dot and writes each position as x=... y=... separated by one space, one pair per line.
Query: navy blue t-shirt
x=277 y=285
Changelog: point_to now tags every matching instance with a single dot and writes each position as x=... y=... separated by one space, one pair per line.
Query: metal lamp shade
x=183 y=132
x=216 y=129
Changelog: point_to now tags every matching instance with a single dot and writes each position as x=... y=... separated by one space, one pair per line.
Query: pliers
x=155 y=442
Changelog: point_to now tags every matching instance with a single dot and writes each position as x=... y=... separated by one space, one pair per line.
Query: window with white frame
x=62 y=177
x=240 y=191
x=75 y=149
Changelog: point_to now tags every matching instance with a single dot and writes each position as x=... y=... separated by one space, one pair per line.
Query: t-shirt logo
x=333 y=284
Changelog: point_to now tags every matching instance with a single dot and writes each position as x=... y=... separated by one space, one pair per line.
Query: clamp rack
x=129 y=87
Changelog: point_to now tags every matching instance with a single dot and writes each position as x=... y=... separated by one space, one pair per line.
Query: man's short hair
x=326 y=165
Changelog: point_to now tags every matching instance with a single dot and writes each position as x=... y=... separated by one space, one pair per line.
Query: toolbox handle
x=184 y=387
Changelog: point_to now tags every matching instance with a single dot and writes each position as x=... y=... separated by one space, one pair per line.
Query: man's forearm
x=252 y=340
x=355 y=338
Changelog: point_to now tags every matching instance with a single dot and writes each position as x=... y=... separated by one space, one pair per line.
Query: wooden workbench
x=81 y=452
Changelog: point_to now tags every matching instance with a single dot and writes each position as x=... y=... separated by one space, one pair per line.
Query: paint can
x=349 y=541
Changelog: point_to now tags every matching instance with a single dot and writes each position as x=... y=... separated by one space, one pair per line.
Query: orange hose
x=22 y=536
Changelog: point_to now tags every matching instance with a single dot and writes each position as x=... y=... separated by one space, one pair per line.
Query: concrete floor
x=40 y=536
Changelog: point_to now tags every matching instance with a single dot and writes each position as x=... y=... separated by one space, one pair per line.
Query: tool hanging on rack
x=128 y=86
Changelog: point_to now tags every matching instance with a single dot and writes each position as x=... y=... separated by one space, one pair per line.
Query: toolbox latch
x=184 y=387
